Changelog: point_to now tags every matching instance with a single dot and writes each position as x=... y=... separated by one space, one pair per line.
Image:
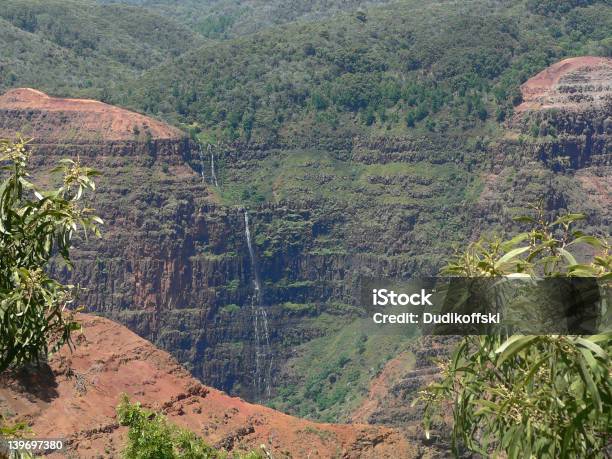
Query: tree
x=151 y=436
x=529 y=396
x=34 y=226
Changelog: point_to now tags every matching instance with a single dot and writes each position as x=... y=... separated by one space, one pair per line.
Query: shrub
x=152 y=436
x=34 y=226
x=529 y=396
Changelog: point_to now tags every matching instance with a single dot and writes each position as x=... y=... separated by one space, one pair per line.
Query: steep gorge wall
x=557 y=147
x=558 y=144
x=173 y=263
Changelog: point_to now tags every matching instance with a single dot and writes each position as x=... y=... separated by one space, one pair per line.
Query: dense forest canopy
x=437 y=67
x=388 y=68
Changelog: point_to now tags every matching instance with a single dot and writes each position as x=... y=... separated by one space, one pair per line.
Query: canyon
x=245 y=290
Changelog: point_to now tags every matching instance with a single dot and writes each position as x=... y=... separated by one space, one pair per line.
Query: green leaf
x=593 y=347
x=590 y=240
x=568 y=218
x=601 y=338
x=510 y=256
x=515 y=240
x=582 y=271
x=590 y=384
x=568 y=256
x=513 y=346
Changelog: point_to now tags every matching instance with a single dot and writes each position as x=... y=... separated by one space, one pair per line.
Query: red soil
x=76 y=399
x=539 y=89
x=380 y=386
x=82 y=117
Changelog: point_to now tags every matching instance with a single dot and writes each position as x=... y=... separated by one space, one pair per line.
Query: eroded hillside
x=557 y=146
x=559 y=139
x=74 y=397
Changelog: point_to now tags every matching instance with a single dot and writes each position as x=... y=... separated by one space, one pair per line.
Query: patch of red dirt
x=541 y=89
x=77 y=395
x=89 y=119
x=597 y=188
x=380 y=386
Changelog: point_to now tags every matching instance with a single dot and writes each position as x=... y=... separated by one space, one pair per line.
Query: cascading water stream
x=263 y=353
x=201 y=162
x=212 y=165
x=251 y=253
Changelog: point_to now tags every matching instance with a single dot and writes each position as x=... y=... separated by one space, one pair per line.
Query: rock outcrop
x=37 y=115
x=576 y=84
x=557 y=144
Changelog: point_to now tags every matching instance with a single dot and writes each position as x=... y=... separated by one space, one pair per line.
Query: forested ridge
x=437 y=67
x=382 y=69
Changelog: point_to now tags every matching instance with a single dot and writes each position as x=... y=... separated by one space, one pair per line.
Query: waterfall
x=247 y=232
x=212 y=165
x=263 y=353
x=268 y=356
x=201 y=162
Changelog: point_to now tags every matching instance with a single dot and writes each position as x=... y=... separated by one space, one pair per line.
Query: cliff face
x=174 y=263
x=57 y=120
x=559 y=142
x=568 y=108
x=74 y=397
x=556 y=147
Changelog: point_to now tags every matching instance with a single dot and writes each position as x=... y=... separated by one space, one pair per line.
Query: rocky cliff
x=557 y=147
x=558 y=141
x=174 y=263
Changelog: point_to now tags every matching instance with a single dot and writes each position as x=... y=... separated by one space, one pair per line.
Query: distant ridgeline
x=411 y=68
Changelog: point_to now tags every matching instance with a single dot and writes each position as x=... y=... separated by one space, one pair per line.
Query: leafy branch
x=35 y=225
x=529 y=396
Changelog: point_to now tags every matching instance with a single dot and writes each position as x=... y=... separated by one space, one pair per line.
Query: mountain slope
x=30 y=60
x=410 y=68
x=75 y=396
x=99 y=45
x=76 y=120
x=226 y=19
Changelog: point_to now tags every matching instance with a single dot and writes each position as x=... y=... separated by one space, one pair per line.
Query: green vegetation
x=333 y=190
x=226 y=19
x=230 y=309
x=435 y=67
x=530 y=396
x=34 y=226
x=299 y=307
x=77 y=47
x=233 y=285
x=326 y=101
x=332 y=374
x=18 y=430
x=151 y=436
